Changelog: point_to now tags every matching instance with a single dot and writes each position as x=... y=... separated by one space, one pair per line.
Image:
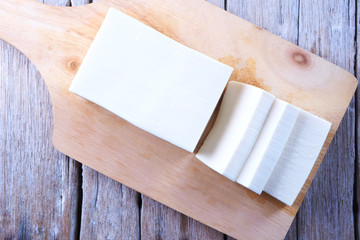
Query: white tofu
x=150 y=80
x=269 y=146
x=298 y=157
x=242 y=114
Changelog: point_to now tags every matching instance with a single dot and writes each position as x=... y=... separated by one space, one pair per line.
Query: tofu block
x=150 y=80
x=298 y=157
x=241 y=117
x=269 y=146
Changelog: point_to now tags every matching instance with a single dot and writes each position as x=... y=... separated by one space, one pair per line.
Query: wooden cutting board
x=56 y=40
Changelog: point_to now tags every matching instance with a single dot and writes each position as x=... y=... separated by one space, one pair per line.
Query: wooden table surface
x=46 y=195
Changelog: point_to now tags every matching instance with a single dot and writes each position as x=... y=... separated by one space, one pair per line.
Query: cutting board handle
x=44 y=33
x=22 y=16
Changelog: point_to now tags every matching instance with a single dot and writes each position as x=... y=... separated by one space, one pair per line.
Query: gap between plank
x=356 y=171
x=298 y=24
x=79 y=201
x=140 y=205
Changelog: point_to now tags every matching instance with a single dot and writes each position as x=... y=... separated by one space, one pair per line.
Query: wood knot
x=301 y=59
x=74 y=65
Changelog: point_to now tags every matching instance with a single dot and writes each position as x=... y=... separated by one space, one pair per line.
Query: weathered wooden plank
x=219 y=3
x=161 y=222
x=357 y=162
x=110 y=210
x=38 y=185
x=327 y=28
x=277 y=16
x=56 y=2
x=80 y=2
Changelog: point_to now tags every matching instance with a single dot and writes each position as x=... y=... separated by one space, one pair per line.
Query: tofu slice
x=242 y=114
x=298 y=158
x=150 y=80
x=269 y=146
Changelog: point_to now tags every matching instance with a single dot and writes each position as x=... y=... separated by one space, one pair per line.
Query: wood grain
x=76 y=37
x=327 y=211
x=38 y=185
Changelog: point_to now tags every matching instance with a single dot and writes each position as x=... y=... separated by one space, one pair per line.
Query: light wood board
x=56 y=40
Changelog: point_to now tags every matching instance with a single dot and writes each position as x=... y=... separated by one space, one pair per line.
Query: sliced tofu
x=241 y=117
x=269 y=146
x=298 y=157
x=150 y=80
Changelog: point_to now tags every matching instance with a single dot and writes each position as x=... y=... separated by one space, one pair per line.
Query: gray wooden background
x=46 y=195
